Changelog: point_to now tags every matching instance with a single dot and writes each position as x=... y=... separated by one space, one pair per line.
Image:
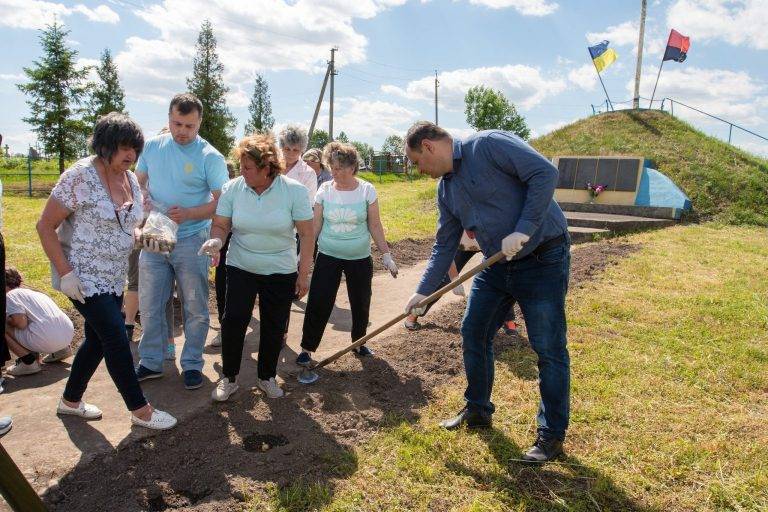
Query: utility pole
x=636 y=98
x=319 y=102
x=436 y=84
x=332 y=69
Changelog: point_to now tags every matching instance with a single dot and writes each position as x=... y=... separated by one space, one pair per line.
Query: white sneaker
x=58 y=355
x=84 y=410
x=224 y=390
x=19 y=368
x=216 y=341
x=6 y=422
x=270 y=387
x=160 y=420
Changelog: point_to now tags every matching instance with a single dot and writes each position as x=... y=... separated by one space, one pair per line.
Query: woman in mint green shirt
x=346 y=216
x=261 y=208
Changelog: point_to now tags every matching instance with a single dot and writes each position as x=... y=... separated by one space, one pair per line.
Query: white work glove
x=389 y=263
x=512 y=244
x=459 y=290
x=211 y=247
x=72 y=287
x=415 y=299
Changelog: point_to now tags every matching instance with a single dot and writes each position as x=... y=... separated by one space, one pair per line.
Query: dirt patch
x=232 y=450
x=406 y=252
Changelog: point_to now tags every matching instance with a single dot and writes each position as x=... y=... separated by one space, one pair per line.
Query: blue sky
x=532 y=50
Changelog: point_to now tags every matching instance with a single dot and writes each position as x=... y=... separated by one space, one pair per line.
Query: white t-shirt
x=49 y=329
x=365 y=192
x=345 y=232
x=304 y=174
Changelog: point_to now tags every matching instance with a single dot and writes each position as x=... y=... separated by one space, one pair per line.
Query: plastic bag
x=159 y=227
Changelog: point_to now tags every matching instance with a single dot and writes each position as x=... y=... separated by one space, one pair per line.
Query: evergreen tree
x=207 y=83
x=393 y=145
x=57 y=91
x=342 y=137
x=108 y=96
x=260 y=108
x=487 y=109
x=319 y=139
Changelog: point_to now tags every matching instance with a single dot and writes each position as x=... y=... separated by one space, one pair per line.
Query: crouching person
x=35 y=324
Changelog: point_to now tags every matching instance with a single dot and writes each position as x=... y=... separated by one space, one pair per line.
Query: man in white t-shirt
x=34 y=324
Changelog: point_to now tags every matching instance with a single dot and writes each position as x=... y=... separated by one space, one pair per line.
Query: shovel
x=309 y=375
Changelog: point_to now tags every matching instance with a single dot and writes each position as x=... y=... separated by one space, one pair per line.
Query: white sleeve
x=320 y=195
x=13 y=306
x=370 y=193
x=310 y=181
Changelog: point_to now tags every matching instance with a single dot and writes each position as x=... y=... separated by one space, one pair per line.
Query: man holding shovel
x=497 y=186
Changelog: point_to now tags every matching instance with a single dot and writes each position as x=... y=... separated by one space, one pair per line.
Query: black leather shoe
x=544 y=450
x=470 y=418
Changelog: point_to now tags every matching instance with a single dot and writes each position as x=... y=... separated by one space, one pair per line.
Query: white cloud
x=36 y=14
x=585 y=77
x=461 y=133
x=101 y=14
x=363 y=119
x=523 y=85
x=13 y=77
x=251 y=35
x=758 y=148
x=619 y=35
x=524 y=7
x=738 y=22
x=734 y=96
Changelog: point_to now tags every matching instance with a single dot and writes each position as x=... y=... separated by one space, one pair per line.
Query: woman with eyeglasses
x=261 y=208
x=86 y=230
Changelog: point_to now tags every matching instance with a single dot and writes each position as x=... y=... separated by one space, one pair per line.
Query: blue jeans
x=538 y=283
x=156 y=275
x=105 y=338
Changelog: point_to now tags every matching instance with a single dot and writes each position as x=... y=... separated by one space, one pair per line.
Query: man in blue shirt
x=497 y=186
x=183 y=174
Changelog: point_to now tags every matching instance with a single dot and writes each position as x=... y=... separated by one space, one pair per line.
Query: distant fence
x=28 y=175
x=671 y=102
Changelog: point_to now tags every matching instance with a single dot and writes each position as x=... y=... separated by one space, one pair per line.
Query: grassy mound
x=724 y=183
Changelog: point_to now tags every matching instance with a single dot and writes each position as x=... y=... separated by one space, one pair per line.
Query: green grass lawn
x=669 y=400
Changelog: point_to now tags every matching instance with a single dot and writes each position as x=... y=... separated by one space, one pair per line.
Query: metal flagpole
x=601 y=80
x=653 y=94
x=641 y=36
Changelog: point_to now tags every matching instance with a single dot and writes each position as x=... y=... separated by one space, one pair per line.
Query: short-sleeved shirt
x=345 y=233
x=93 y=242
x=183 y=175
x=49 y=329
x=305 y=175
x=263 y=240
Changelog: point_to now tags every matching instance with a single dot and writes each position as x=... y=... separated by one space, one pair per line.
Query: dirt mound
x=213 y=461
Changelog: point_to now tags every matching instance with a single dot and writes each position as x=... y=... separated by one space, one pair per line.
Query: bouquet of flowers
x=594 y=191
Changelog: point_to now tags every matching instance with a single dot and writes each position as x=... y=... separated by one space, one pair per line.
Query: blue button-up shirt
x=499 y=185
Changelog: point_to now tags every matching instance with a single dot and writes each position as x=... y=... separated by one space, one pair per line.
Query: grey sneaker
x=5 y=425
x=270 y=388
x=58 y=355
x=224 y=390
x=20 y=368
x=216 y=341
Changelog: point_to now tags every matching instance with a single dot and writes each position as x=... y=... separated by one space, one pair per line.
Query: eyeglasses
x=127 y=211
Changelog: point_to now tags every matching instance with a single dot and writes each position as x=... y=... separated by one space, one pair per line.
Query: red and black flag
x=677 y=46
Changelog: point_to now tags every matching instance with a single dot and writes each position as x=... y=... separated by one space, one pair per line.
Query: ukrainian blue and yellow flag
x=602 y=56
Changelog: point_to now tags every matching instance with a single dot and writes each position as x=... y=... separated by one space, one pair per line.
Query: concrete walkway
x=46 y=446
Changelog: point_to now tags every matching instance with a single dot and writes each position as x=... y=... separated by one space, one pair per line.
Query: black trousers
x=326 y=278
x=275 y=292
x=220 y=279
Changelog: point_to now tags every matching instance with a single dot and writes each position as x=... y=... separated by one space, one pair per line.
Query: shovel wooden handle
x=436 y=295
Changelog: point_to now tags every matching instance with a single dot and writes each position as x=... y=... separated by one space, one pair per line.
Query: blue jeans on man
x=538 y=282
x=157 y=273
